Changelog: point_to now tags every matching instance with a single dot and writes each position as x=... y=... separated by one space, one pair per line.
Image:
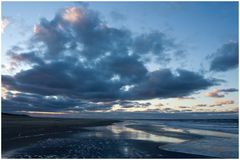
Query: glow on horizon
x=43 y=113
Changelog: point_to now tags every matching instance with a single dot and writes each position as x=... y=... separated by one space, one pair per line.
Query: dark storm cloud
x=164 y=84
x=129 y=68
x=61 y=78
x=82 y=61
x=78 y=82
x=35 y=102
x=225 y=58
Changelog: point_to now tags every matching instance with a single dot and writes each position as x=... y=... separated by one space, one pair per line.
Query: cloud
x=97 y=85
x=218 y=93
x=183 y=107
x=36 y=29
x=35 y=102
x=186 y=98
x=45 y=80
x=129 y=104
x=225 y=58
x=169 y=110
x=73 y=14
x=154 y=44
x=214 y=93
x=4 y=23
x=25 y=57
x=229 y=90
x=223 y=102
x=159 y=105
x=82 y=61
x=164 y=84
x=201 y=105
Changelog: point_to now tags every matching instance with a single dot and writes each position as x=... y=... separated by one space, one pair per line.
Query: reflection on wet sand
x=130 y=133
x=134 y=139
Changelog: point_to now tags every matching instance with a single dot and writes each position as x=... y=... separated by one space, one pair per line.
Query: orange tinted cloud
x=214 y=93
x=72 y=14
x=224 y=102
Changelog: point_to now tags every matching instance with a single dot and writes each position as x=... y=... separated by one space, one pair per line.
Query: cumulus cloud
x=77 y=57
x=225 y=58
x=73 y=14
x=96 y=84
x=164 y=84
x=214 y=93
x=4 y=24
x=218 y=93
x=40 y=103
x=152 y=44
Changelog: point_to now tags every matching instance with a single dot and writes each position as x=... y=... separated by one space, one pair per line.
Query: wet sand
x=29 y=137
x=20 y=130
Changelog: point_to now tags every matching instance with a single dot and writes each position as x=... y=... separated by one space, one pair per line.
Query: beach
x=31 y=137
x=22 y=130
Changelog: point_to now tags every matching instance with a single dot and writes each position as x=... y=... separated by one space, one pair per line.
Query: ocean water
x=219 y=137
x=141 y=139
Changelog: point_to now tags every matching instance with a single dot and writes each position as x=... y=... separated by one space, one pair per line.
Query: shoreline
x=33 y=137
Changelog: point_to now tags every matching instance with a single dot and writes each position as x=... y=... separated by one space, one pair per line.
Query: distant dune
x=12 y=115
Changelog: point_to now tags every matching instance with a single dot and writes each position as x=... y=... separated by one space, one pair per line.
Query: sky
x=88 y=58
